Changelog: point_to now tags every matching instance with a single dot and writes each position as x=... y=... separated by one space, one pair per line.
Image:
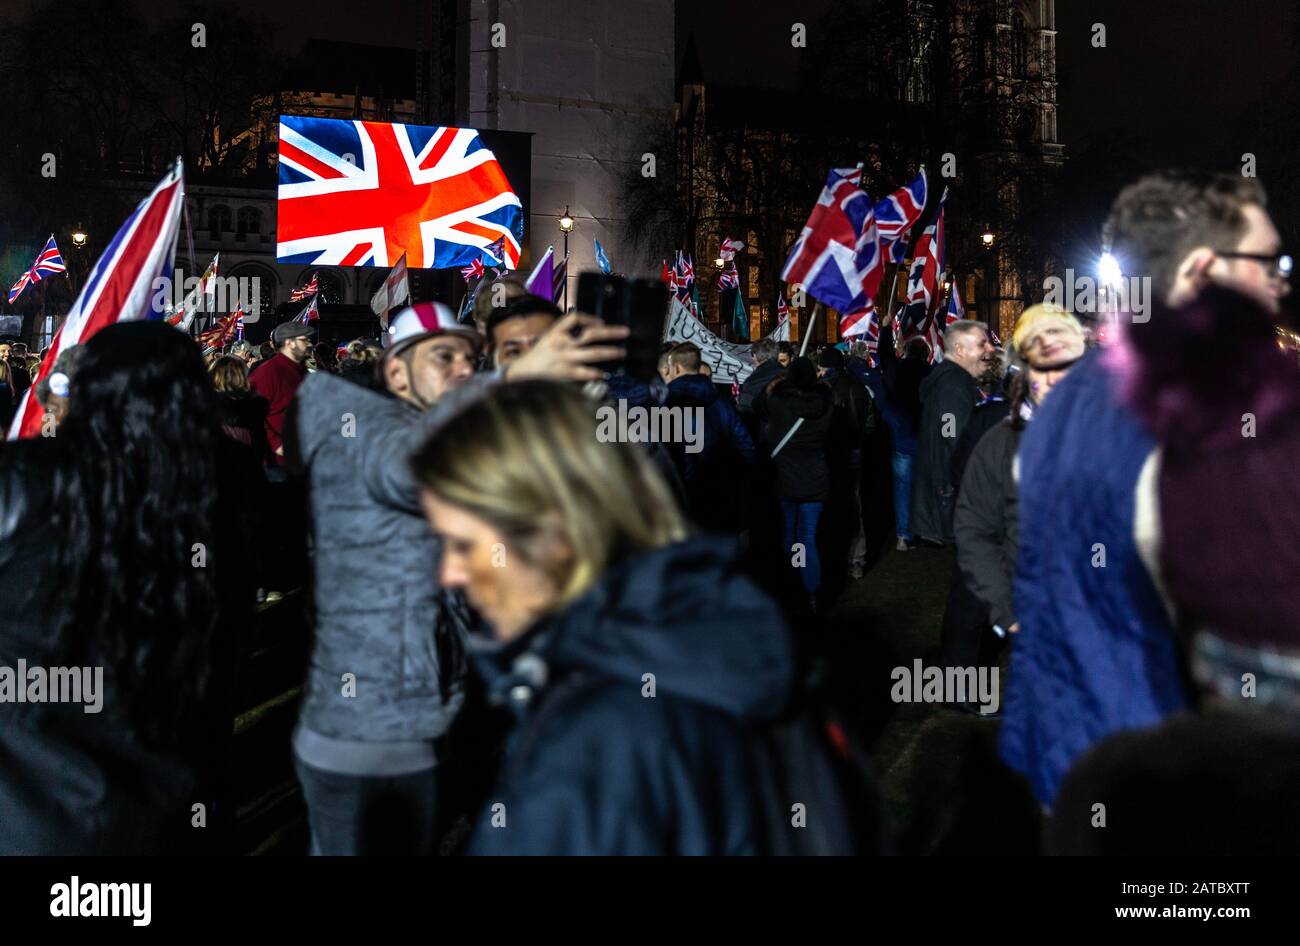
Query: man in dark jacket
x=277 y=379
x=767 y=369
x=713 y=474
x=800 y=415
x=948 y=396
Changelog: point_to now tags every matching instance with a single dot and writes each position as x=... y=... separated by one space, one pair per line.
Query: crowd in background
x=640 y=614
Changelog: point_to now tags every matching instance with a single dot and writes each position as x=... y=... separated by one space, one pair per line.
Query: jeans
x=361 y=814
x=902 y=465
x=801 y=527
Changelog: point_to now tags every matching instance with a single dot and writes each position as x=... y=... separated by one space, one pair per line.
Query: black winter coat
x=598 y=765
x=986 y=522
x=948 y=396
x=712 y=475
x=802 y=470
x=756 y=384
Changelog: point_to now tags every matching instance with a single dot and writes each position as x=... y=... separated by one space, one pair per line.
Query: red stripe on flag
x=442 y=142
x=113 y=295
x=305 y=160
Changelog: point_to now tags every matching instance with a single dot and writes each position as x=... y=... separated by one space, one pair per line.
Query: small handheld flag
x=601 y=259
x=48 y=262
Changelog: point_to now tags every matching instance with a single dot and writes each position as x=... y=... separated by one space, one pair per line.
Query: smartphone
x=641 y=305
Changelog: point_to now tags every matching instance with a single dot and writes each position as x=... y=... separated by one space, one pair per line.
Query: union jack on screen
x=357 y=193
x=48 y=262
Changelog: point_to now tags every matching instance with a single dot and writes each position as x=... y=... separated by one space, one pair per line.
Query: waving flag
x=310 y=312
x=547 y=279
x=224 y=332
x=730 y=248
x=740 y=321
x=356 y=193
x=312 y=287
x=119 y=287
x=473 y=271
x=927 y=266
x=394 y=290
x=898 y=213
x=955 y=309
x=601 y=259
x=48 y=262
x=728 y=279
x=782 y=310
x=199 y=299
x=837 y=257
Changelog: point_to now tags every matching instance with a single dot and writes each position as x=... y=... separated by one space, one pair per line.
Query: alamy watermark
x=34 y=684
x=224 y=294
x=626 y=423
x=1128 y=295
x=921 y=684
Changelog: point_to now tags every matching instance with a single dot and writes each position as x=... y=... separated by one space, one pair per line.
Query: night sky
x=1185 y=67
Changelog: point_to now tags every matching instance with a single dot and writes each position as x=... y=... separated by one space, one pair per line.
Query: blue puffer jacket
x=600 y=764
x=1096 y=653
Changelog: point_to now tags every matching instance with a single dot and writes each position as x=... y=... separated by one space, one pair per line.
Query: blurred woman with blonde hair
x=634 y=657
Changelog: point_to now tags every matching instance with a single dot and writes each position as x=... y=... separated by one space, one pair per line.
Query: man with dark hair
x=277 y=379
x=767 y=369
x=514 y=328
x=1097 y=653
x=713 y=472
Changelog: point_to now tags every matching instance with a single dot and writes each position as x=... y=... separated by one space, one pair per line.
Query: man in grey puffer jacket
x=384 y=680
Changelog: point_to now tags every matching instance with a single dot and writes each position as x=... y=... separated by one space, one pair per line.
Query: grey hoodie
x=380 y=614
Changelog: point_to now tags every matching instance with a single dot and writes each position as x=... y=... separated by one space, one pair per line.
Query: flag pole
x=812 y=320
x=189 y=232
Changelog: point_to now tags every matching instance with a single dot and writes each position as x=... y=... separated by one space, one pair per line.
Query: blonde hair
x=525 y=458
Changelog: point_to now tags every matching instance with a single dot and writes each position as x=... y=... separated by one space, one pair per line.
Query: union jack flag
x=898 y=213
x=310 y=312
x=221 y=334
x=48 y=262
x=927 y=265
x=955 y=309
x=837 y=257
x=730 y=248
x=685 y=270
x=357 y=193
x=729 y=279
x=310 y=289
x=473 y=271
x=119 y=288
x=782 y=310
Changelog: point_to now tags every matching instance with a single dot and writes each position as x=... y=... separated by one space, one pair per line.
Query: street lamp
x=719 y=262
x=78 y=237
x=566 y=227
x=987 y=237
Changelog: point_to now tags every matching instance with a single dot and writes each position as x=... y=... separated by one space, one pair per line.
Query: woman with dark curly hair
x=120 y=569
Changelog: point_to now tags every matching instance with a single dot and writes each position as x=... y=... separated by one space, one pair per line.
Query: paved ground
x=943 y=788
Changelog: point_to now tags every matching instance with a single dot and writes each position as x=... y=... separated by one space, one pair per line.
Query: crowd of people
x=637 y=617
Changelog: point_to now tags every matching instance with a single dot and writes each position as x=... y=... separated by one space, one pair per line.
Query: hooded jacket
x=633 y=707
x=802 y=469
x=948 y=396
x=380 y=614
